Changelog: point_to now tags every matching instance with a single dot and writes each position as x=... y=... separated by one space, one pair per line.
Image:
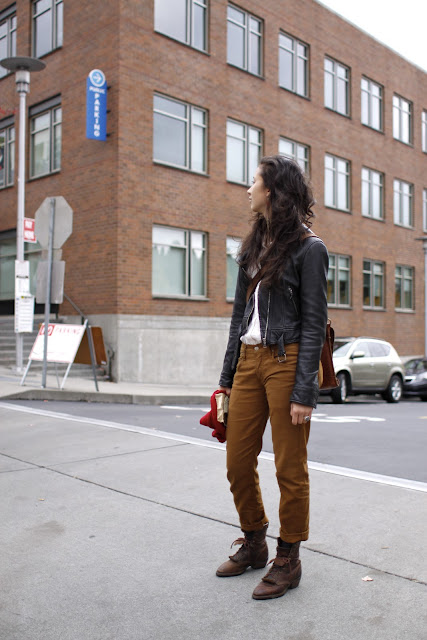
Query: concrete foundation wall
x=164 y=349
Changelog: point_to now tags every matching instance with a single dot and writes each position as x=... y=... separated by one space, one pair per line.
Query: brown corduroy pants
x=261 y=389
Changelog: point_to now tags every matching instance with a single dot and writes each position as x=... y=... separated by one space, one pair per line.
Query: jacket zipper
x=291 y=295
x=264 y=340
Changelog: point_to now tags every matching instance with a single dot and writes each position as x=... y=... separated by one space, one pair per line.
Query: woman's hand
x=227 y=390
x=299 y=412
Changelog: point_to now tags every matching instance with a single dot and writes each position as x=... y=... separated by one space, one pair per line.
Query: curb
x=93 y=396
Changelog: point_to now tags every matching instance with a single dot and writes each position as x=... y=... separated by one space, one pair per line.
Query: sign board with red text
x=29 y=230
x=63 y=341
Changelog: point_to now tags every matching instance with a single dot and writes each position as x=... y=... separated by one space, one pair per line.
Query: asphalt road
x=362 y=434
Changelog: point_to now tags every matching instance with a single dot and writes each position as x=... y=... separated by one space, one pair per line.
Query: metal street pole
x=22 y=67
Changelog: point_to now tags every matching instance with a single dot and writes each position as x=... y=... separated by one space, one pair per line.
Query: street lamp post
x=22 y=66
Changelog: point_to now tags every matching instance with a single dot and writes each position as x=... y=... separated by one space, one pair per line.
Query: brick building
x=198 y=90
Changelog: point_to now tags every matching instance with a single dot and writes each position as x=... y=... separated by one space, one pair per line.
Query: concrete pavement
x=114 y=532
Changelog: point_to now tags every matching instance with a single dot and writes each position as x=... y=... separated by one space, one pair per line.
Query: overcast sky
x=400 y=24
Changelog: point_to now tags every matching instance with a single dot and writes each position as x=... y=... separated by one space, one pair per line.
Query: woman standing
x=271 y=368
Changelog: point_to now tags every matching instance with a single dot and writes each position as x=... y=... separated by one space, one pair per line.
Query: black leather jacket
x=294 y=312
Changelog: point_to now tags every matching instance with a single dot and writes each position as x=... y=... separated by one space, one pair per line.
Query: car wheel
x=394 y=390
x=339 y=395
x=423 y=398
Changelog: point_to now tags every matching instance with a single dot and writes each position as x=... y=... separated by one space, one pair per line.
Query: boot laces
x=276 y=569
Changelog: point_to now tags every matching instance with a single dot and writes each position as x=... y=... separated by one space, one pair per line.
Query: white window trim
x=424 y=131
x=187 y=248
x=370 y=95
x=402 y=279
x=334 y=74
x=337 y=304
x=8 y=16
x=189 y=40
x=54 y=32
x=296 y=147
x=248 y=31
x=425 y=210
x=335 y=173
x=188 y=119
x=400 y=183
x=247 y=143
x=401 y=111
x=52 y=125
x=371 y=185
x=9 y=143
x=295 y=58
x=372 y=263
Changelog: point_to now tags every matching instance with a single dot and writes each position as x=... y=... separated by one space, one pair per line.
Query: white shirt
x=253 y=334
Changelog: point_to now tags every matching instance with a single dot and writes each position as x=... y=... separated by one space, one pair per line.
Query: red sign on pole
x=29 y=231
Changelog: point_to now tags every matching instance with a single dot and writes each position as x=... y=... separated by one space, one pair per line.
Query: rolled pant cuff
x=254 y=527
x=293 y=537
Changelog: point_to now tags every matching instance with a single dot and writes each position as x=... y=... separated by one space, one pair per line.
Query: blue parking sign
x=96 y=105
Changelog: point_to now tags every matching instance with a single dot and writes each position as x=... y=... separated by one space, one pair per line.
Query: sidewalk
x=83 y=389
x=114 y=532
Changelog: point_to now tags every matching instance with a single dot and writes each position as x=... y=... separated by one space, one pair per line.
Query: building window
x=179 y=263
x=179 y=134
x=425 y=210
x=232 y=250
x=402 y=119
x=337 y=90
x=339 y=278
x=45 y=134
x=293 y=65
x=296 y=151
x=373 y=284
x=372 y=104
x=47 y=26
x=402 y=203
x=7 y=155
x=372 y=194
x=244 y=145
x=244 y=40
x=337 y=183
x=424 y=131
x=404 y=288
x=7 y=36
x=183 y=20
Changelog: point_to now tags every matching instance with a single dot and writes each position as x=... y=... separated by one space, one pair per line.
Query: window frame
x=8 y=127
x=188 y=264
x=400 y=110
x=334 y=73
x=371 y=272
x=402 y=278
x=371 y=186
x=190 y=39
x=8 y=17
x=336 y=183
x=232 y=253
x=295 y=58
x=50 y=107
x=297 y=146
x=247 y=40
x=371 y=98
x=247 y=148
x=190 y=109
x=400 y=191
x=337 y=269
x=425 y=210
x=56 y=41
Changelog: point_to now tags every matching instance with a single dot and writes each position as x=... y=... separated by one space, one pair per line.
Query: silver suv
x=368 y=366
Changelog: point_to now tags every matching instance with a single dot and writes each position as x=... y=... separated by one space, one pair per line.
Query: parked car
x=368 y=366
x=415 y=382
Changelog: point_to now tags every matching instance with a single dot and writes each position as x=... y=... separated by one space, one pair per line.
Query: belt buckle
x=281 y=358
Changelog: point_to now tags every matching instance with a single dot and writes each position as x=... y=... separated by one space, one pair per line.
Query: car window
x=343 y=350
x=363 y=346
x=416 y=366
x=379 y=349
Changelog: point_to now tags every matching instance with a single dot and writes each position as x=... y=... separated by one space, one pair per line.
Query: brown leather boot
x=284 y=574
x=253 y=553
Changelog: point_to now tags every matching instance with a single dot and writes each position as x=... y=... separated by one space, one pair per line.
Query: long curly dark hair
x=272 y=240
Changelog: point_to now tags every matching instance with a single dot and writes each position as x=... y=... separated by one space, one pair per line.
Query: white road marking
x=357 y=474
